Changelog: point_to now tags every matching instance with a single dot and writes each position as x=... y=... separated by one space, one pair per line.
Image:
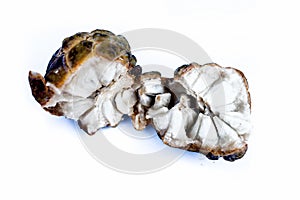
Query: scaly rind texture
x=84 y=77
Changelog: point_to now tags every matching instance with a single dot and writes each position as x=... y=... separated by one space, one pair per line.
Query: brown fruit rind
x=40 y=91
x=74 y=51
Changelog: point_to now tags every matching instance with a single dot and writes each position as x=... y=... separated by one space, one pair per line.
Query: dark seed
x=231 y=158
x=211 y=156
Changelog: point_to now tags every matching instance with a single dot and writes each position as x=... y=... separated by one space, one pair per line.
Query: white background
x=41 y=155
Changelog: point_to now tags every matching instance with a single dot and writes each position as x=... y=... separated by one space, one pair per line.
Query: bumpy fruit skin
x=67 y=60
